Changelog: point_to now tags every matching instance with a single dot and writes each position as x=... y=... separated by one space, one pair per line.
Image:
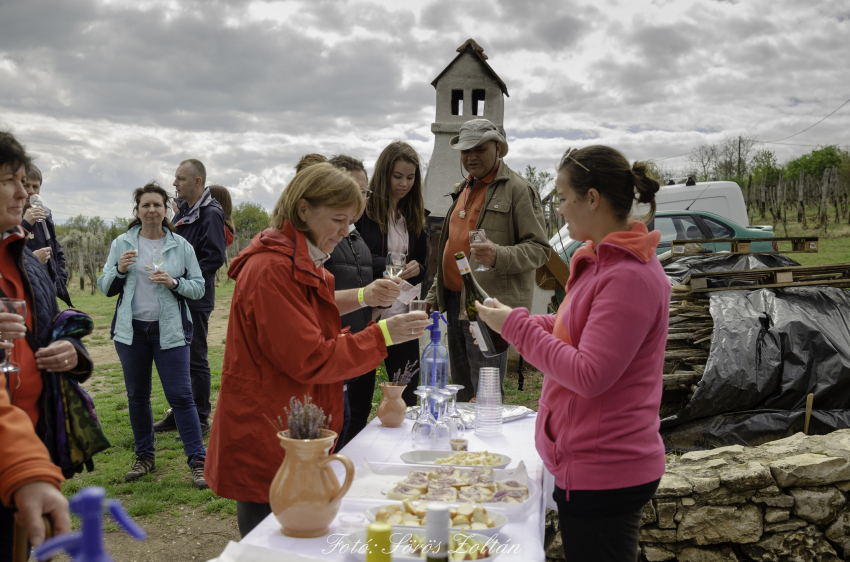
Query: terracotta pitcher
x=305 y=493
x=391 y=409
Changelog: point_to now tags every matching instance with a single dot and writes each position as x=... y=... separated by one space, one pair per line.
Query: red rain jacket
x=284 y=339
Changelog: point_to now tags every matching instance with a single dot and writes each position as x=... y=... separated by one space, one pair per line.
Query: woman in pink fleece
x=602 y=354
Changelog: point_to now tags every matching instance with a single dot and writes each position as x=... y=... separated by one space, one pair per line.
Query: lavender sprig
x=401 y=379
x=306 y=421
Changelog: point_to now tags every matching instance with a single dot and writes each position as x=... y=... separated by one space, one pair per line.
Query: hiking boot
x=205 y=430
x=168 y=423
x=198 y=475
x=142 y=466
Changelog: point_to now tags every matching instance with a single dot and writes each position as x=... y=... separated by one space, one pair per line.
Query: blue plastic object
x=434 y=366
x=86 y=545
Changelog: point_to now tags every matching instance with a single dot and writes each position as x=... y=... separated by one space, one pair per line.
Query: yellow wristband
x=360 y=297
x=386 y=331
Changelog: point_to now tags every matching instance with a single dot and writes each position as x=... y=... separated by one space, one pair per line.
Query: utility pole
x=739 y=156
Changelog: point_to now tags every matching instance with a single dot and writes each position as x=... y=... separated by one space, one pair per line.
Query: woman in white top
x=394 y=221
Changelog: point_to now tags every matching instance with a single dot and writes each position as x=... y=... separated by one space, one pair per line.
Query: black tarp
x=770 y=348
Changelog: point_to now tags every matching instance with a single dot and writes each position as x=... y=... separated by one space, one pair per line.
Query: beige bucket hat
x=476 y=132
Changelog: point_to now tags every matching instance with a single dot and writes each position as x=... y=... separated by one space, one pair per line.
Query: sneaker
x=142 y=466
x=198 y=475
x=168 y=423
x=205 y=430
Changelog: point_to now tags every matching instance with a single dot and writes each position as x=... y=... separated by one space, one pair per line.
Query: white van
x=722 y=198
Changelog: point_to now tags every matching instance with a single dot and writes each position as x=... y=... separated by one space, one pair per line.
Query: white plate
x=357 y=544
x=428 y=457
x=499 y=520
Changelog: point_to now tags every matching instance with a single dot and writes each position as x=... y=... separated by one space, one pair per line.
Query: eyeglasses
x=366 y=193
x=569 y=155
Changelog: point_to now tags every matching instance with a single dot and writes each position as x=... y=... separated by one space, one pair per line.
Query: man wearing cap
x=502 y=203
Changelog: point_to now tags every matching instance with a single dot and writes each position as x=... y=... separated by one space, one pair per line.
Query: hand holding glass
x=395 y=263
x=477 y=237
x=12 y=306
x=38 y=203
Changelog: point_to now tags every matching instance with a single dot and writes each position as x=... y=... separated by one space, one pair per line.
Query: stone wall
x=785 y=500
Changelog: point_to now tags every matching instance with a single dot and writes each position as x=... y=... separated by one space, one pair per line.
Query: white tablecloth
x=380 y=444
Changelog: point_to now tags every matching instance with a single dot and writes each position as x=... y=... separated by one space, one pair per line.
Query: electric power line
x=807 y=128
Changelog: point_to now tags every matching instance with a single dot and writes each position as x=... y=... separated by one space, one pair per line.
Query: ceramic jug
x=305 y=493
x=391 y=409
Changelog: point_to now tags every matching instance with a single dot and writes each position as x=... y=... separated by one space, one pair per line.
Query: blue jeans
x=173 y=367
x=199 y=367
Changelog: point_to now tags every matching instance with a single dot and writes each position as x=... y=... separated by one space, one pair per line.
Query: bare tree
x=704 y=159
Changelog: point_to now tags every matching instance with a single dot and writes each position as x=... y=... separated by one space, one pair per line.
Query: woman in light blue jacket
x=153 y=271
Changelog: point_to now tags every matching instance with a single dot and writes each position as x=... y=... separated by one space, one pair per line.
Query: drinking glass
x=395 y=263
x=424 y=424
x=442 y=434
x=454 y=425
x=452 y=411
x=157 y=261
x=477 y=237
x=11 y=306
x=37 y=202
x=417 y=305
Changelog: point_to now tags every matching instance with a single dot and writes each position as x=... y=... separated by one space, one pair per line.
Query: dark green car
x=684 y=225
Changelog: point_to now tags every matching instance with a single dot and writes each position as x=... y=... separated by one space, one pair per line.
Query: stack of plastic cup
x=488 y=403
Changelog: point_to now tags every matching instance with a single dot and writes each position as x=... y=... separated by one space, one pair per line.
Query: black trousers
x=250 y=514
x=397 y=357
x=361 y=391
x=7 y=532
x=602 y=525
x=199 y=367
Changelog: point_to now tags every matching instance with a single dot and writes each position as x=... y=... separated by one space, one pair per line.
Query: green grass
x=170 y=488
x=833 y=245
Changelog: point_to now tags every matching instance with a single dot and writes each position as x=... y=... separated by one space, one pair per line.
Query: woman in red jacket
x=285 y=339
x=603 y=355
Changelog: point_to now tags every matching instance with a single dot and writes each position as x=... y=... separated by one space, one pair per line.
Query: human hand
x=484 y=253
x=381 y=292
x=410 y=270
x=406 y=327
x=33 y=214
x=429 y=308
x=41 y=498
x=12 y=327
x=58 y=357
x=43 y=254
x=493 y=315
x=163 y=278
x=127 y=259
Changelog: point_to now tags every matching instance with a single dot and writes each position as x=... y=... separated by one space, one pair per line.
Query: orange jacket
x=284 y=339
x=23 y=457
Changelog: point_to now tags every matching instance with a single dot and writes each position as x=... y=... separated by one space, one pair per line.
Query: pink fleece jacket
x=602 y=357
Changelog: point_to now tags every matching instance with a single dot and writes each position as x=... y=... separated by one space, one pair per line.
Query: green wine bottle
x=490 y=342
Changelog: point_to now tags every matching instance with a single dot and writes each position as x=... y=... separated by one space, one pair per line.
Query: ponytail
x=646 y=188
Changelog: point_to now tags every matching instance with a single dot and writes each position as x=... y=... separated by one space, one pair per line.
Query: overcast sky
x=111 y=93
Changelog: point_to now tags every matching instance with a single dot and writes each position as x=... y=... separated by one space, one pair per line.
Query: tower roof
x=473 y=48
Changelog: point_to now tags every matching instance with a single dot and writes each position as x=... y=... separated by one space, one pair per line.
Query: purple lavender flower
x=401 y=379
x=306 y=421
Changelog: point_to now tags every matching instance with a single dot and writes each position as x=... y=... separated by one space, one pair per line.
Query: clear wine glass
x=453 y=412
x=442 y=434
x=11 y=306
x=157 y=261
x=477 y=237
x=38 y=203
x=424 y=424
x=395 y=263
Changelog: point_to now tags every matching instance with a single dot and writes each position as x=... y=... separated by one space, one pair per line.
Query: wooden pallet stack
x=688 y=344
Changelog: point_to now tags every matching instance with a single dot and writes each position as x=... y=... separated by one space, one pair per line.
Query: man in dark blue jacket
x=200 y=220
x=42 y=240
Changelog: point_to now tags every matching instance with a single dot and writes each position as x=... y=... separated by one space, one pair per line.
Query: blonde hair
x=320 y=185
